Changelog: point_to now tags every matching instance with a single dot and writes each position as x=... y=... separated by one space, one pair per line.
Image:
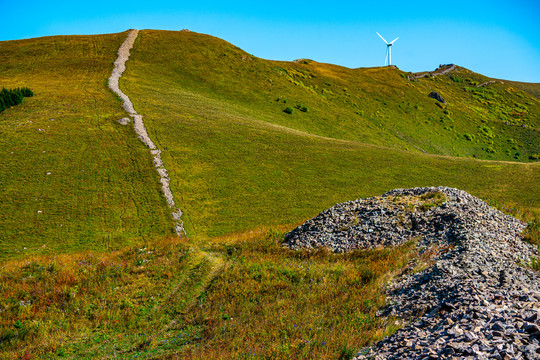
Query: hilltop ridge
x=377 y=105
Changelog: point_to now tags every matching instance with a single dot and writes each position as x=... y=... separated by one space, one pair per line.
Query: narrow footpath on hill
x=441 y=70
x=140 y=129
x=206 y=266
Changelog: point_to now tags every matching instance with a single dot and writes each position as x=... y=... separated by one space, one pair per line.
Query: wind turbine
x=388 y=57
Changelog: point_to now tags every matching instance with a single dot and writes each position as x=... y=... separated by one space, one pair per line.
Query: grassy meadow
x=89 y=266
x=237 y=161
x=71 y=177
x=238 y=297
x=369 y=105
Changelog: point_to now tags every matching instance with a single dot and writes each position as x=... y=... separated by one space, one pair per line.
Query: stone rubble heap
x=476 y=300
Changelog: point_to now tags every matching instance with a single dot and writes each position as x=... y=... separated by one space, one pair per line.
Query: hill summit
x=475 y=296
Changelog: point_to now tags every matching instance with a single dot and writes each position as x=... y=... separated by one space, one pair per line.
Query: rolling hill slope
x=376 y=105
x=73 y=180
x=71 y=177
x=238 y=161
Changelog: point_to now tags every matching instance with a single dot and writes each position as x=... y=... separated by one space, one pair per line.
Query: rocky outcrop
x=476 y=301
x=435 y=95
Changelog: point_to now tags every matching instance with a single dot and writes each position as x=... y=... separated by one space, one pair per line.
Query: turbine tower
x=388 y=58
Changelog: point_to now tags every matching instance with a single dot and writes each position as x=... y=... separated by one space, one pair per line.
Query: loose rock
x=476 y=300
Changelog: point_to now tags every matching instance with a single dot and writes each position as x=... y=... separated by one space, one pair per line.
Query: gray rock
x=435 y=95
x=475 y=301
x=124 y=121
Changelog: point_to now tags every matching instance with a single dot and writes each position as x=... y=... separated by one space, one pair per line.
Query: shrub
x=26 y=92
x=12 y=97
x=468 y=137
x=288 y=110
x=535 y=263
x=346 y=353
x=531 y=234
x=302 y=108
x=486 y=131
x=456 y=79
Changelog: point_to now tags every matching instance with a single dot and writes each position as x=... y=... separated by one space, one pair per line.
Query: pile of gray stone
x=476 y=300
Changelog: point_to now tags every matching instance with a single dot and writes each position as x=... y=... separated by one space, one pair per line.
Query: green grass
x=237 y=161
x=374 y=105
x=242 y=296
x=532 y=232
x=96 y=272
x=84 y=304
x=71 y=177
x=279 y=304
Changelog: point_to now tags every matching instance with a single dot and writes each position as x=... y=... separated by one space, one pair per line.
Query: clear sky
x=499 y=39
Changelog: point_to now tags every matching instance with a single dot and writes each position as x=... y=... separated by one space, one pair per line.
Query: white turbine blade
x=383 y=38
x=394 y=40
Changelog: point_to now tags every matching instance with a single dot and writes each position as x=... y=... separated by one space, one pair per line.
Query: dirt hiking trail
x=140 y=129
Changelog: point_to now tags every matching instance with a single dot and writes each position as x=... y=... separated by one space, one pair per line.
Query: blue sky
x=496 y=38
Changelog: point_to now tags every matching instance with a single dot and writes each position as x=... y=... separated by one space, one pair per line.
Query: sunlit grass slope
x=243 y=297
x=373 y=105
x=237 y=161
x=71 y=177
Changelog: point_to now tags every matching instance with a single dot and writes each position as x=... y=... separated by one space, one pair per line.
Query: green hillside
x=89 y=264
x=376 y=105
x=71 y=177
x=238 y=161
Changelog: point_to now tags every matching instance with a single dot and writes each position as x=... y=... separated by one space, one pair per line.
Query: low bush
x=532 y=232
x=12 y=97
x=302 y=108
x=288 y=110
x=486 y=131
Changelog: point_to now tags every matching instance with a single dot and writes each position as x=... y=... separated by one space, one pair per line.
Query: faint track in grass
x=140 y=129
x=186 y=300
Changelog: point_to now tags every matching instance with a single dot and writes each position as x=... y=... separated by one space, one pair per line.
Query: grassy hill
x=238 y=161
x=530 y=88
x=71 y=177
x=376 y=105
x=102 y=275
